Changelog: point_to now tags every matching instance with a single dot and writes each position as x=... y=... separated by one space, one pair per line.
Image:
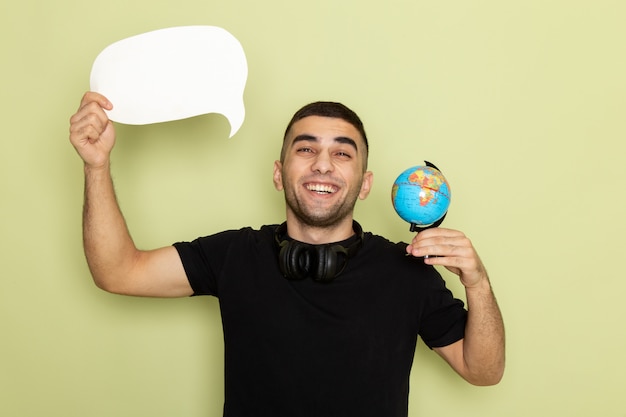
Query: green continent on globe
x=421 y=195
x=430 y=184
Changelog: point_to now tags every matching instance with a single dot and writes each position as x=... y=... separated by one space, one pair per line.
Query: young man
x=320 y=318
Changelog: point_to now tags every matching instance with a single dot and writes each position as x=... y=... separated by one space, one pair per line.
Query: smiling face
x=322 y=173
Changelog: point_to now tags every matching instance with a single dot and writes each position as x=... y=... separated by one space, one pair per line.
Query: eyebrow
x=338 y=139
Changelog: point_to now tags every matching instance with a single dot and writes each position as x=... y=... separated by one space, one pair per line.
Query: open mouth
x=321 y=188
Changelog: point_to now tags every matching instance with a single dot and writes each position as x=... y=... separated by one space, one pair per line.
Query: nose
x=323 y=163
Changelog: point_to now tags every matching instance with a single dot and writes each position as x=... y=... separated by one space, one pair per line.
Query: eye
x=304 y=149
x=344 y=154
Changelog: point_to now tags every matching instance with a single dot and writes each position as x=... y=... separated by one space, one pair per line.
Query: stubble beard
x=316 y=217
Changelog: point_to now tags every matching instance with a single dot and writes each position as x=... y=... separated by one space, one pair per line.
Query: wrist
x=482 y=284
x=93 y=168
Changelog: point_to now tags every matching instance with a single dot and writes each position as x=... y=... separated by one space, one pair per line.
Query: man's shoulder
x=382 y=243
x=247 y=233
x=379 y=249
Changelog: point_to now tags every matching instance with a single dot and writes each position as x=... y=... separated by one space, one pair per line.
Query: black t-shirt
x=304 y=348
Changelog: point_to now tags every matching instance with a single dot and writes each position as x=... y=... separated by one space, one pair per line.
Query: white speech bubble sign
x=172 y=74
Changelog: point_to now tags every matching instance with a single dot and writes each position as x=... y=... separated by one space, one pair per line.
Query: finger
x=470 y=270
x=454 y=258
x=443 y=250
x=90 y=113
x=456 y=244
x=93 y=97
x=438 y=232
x=96 y=118
x=452 y=264
x=89 y=127
x=429 y=235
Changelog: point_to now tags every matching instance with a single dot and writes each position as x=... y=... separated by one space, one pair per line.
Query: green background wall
x=520 y=103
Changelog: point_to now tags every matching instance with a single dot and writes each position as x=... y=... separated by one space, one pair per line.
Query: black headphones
x=321 y=263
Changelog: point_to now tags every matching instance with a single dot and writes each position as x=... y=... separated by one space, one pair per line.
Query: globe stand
x=415 y=228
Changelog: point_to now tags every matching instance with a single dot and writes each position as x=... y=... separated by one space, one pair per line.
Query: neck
x=318 y=235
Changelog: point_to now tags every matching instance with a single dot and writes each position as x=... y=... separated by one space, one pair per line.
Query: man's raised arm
x=480 y=356
x=114 y=261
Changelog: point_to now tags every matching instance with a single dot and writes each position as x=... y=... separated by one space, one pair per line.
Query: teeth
x=320 y=188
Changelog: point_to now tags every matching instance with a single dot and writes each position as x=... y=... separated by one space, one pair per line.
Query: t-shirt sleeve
x=197 y=267
x=444 y=317
x=203 y=260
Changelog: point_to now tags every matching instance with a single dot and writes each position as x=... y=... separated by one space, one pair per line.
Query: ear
x=278 y=175
x=366 y=185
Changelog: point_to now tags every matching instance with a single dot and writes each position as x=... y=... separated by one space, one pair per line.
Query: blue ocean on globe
x=421 y=195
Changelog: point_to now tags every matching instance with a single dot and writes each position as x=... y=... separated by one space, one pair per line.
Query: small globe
x=421 y=196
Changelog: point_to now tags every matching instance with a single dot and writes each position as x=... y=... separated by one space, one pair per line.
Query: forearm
x=484 y=343
x=108 y=245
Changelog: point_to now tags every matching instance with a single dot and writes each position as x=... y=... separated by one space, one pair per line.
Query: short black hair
x=327 y=109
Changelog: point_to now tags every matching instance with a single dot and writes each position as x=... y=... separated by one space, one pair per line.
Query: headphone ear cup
x=282 y=264
x=294 y=260
x=325 y=264
x=298 y=260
